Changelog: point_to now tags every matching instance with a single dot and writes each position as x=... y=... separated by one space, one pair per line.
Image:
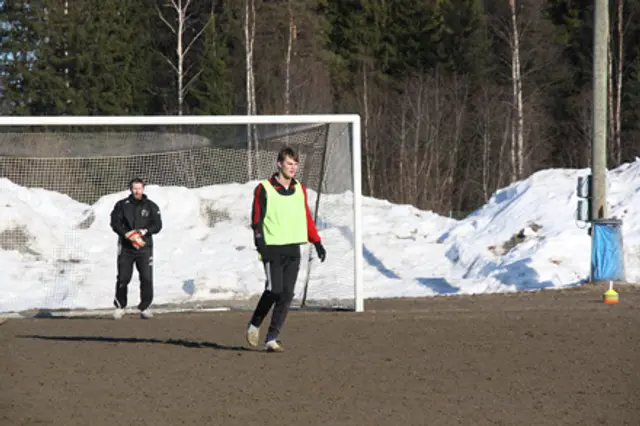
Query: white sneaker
x=146 y=314
x=253 y=335
x=118 y=313
x=273 y=346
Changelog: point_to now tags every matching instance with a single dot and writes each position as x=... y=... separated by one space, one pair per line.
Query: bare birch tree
x=290 y=40
x=417 y=137
x=411 y=147
x=517 y=137
x=618 y=106
x=458 y=98
x=371 y=101
x=610 y=103
x=492 y=126
x=403 y=150
x=249 y=41
x=184 y=78
x=614 y=89
x=366 y=141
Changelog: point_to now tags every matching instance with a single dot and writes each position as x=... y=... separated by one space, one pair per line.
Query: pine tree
x=211 y=92
x=112 y=58
x=463 y=43
x=85 y=59
x=21 y=70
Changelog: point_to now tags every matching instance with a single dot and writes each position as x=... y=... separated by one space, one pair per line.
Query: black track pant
x=143 y=260
x=282 y=274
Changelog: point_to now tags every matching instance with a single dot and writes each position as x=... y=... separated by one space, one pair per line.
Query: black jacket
x=129 y=214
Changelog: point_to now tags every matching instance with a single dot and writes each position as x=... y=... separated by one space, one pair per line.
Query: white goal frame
x=160 y=120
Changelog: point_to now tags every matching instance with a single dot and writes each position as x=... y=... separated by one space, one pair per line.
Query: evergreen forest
x=458 y=98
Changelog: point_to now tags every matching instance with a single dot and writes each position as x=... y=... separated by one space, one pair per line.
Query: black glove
x=322 y=253
x=261 y=246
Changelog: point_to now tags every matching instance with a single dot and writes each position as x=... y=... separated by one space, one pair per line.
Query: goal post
x=73 y=168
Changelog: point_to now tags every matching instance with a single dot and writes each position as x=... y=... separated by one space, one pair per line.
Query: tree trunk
x=486 y=149
x=403 y=147
x=620 y=60
x=611 y=112
x=254 y=104
x=180 y=8
x=249 y=37
x=453 y=149
x=365 y=131
x=503 y=145
x=518 y=137
x=415 y=181
x=180 y=56
x=485 y=130
x=292 y=37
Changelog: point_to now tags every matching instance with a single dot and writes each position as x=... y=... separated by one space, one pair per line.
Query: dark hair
x=135 y=180
x=287 y=152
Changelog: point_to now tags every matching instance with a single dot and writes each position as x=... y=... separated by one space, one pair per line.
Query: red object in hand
x=136 y=238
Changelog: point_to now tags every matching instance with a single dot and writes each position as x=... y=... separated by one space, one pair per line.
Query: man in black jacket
x=135 y=219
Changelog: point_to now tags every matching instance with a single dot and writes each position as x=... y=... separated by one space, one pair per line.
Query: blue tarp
x=607 y=250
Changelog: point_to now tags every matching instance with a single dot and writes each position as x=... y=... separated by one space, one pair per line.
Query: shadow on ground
x=178 y=342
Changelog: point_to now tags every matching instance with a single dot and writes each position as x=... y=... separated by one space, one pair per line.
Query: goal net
x=61 y=176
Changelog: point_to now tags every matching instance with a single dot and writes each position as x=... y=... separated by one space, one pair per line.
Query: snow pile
x=58 y=253
x=527 y=237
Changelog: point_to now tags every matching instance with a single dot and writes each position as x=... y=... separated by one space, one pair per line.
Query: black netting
x=65 y=248
x=87 y=165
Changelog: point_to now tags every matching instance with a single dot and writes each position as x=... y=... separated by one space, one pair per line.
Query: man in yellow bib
x=281 y=222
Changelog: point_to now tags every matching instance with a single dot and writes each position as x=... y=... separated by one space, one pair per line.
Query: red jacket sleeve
x=258 y=210
x=312 y=232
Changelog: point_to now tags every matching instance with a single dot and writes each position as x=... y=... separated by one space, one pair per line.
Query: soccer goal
x=61 y=176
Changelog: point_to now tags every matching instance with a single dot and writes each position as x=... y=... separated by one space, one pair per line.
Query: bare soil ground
x=545 y=358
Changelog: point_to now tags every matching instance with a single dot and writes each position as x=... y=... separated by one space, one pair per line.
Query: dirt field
x=550 y=358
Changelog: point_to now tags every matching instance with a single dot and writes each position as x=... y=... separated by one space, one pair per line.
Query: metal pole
x=599 y=118
x=599 y=134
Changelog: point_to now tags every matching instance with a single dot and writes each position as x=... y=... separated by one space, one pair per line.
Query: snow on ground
x=58 y=253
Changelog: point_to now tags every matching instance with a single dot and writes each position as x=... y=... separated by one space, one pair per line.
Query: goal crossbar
x=160 y=120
